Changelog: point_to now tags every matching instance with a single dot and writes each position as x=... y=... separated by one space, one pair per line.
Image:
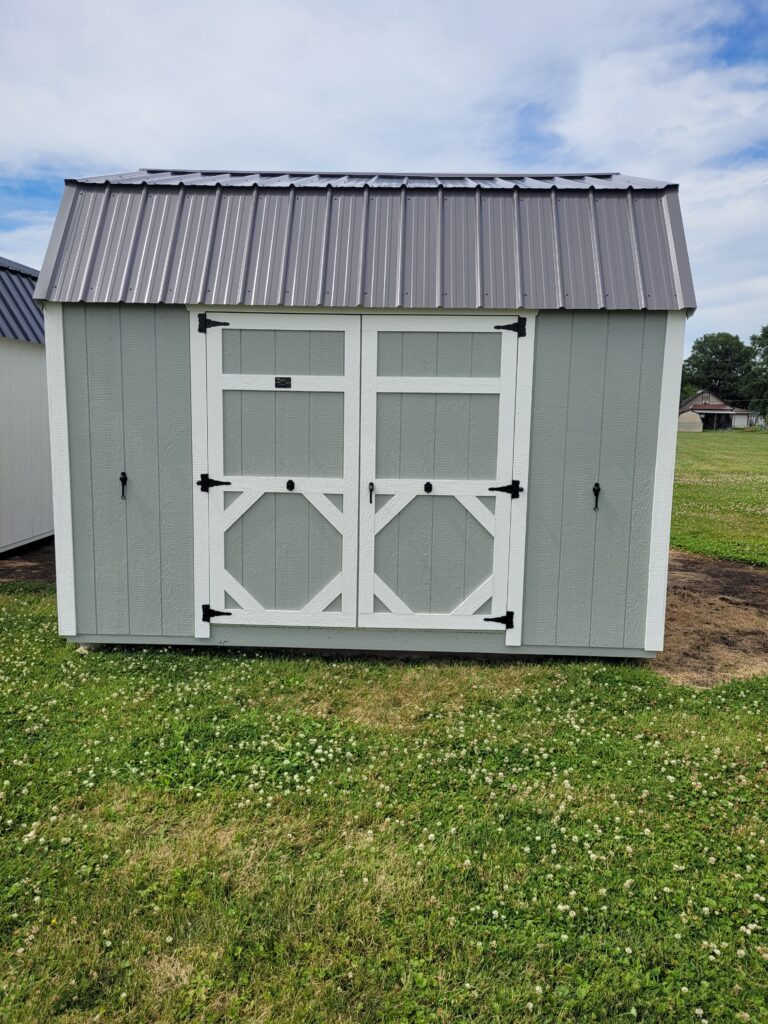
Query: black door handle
x=370 y=492
x=123 y=481
x=596 y=488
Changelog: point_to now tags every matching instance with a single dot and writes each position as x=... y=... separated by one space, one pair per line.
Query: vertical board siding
x=176 y=473
x=546 y=477
x=616 y=473
x=128 y=402
x=105 y=403
x=142 y=504
x=589 y=345
x=597 y=383
x=78 y=416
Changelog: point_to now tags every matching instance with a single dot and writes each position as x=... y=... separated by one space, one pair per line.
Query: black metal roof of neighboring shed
x=370 y=240
x=20 y=317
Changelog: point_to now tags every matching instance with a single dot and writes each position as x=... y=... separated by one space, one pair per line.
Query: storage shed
x=366 y=411
x=26 y=511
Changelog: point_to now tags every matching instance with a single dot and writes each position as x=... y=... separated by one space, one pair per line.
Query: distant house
x=26 y=511
x=713 y=412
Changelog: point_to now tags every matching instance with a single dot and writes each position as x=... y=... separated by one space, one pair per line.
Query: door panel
x=360 y=495
x=437 y=395
x=283 y=414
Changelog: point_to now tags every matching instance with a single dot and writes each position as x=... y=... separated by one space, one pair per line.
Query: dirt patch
x=34 y=562
x=717 y=621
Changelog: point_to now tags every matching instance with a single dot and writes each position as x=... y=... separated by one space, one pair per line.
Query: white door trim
x=202 y=553
x=521 y=449
x=212 y=519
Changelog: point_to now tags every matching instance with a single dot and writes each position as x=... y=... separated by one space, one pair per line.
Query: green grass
x=721 y=495
x=210 y=838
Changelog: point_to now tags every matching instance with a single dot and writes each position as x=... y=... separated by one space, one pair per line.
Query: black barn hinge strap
x=514 y=490
x=508 y=620
x=205 y=483
x=518 y=327
x=209 y=613
x=203 y=323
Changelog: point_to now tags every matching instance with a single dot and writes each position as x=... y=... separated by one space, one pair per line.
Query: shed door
x=439 y=403
x=283 y=415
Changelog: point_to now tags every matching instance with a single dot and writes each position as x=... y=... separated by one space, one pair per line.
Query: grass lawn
x=721 y=495
x=214 y=838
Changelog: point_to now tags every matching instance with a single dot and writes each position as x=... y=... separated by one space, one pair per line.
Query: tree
x=722 y=363
x=759 y=375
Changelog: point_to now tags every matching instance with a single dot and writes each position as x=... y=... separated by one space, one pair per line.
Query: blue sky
x=677 y=91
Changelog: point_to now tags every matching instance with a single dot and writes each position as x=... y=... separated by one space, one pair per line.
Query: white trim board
x=520 y=470
x=661 y=516
x=201 y=540
x=60 y=470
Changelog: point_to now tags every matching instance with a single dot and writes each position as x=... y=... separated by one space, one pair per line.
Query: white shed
x=366 y=411
x=26 y=512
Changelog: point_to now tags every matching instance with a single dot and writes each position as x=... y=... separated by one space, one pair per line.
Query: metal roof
x=368 y=240
x=369 y=179
x=20 y=318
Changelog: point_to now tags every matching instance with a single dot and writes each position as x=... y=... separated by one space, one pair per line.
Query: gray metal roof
x=439 y=241
x=369 y=179
x=20 y=318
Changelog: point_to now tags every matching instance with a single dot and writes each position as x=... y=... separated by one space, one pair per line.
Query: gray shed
x=26 y=509
x=366 y=411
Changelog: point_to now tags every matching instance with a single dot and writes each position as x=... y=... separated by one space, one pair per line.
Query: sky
x=676 y=91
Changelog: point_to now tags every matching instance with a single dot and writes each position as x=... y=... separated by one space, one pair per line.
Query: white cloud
x=427 y=85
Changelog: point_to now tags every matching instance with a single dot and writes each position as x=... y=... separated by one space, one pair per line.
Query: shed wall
x=26 y=512
x=597 y=383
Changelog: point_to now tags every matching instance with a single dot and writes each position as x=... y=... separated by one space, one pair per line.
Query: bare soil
x=717 y=621
x=32 y=563
x=717 y=613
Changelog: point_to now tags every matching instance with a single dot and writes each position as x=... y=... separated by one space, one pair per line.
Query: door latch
x=123 y=481
x=596 y=488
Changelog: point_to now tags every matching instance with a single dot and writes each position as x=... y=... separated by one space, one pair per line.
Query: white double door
x=345 y=470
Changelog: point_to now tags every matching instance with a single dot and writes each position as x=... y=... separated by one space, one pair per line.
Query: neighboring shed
x=689 y=423
x=366 y=411
x=26 y=512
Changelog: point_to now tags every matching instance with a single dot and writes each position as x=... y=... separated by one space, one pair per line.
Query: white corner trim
x=663 y=482
x=62 y=488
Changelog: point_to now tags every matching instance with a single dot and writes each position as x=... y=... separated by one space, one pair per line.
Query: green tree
x=721 y=362
x=759 y=376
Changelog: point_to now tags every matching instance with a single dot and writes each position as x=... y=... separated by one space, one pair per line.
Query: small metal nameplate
x=282 y=382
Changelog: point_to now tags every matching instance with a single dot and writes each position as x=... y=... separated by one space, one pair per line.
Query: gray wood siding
x=597 y=383
x=128 y=402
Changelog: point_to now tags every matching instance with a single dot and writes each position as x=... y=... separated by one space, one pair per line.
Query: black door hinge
x=518 y=327
x=209 y=613
x=514 y=489
x=203 y=323
x=508 y=620
x=205 y=483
